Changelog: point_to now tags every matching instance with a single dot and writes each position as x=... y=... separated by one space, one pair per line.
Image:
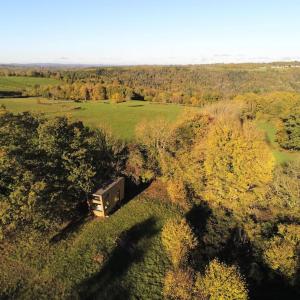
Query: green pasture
x=19 y=83
x=120 y=118
x=282 y=156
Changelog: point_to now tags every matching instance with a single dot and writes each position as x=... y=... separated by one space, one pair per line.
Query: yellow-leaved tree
x=178 y=240
x=282 y=251
x=222 y=282
x=238 y=165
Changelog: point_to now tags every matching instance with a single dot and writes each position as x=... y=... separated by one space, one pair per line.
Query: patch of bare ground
x=157 y=190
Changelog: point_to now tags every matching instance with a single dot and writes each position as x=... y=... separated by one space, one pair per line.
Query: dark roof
x=107 y=186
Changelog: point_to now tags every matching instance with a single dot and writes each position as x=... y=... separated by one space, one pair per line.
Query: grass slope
x=91 y=263
x=18 y=83
x=120 y=118
x=282 y=156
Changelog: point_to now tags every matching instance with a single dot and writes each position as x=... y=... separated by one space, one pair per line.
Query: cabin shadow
x=132 y=189
x=73 y=226
x=106 y=283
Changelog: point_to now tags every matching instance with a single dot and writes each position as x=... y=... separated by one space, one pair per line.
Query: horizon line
x=146 y=64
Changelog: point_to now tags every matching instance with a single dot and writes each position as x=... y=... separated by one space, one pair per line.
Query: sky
x=127 y=32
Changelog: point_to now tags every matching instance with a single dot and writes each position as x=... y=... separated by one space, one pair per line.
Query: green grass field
x=19 y=83
x=121 y=118
x=90 y=260
x=282 y=156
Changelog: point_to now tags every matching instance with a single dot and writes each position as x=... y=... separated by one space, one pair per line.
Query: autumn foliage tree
x=48 y=167
x=178 y=240
x=238 y=165
x=222 y=282
x=282 y=251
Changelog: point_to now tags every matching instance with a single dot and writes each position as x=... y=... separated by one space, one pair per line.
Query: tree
x=238 y=165
x=84 y=93
x=99 y=92
x=48 y=167
x=117 y=98
x=283 y=196
x=222 y=282
x=282 y=251
x=178 y=240
x=181 y=161
x=289 y=134
x=138 y=166
x=153 y=138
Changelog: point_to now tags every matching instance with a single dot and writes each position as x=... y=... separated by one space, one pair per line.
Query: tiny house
x=108 y=197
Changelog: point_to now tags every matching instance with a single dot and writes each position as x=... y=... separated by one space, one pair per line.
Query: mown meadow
x=19 y=83
x=120 y=118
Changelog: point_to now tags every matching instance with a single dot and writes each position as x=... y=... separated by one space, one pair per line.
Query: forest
x=193 y=85
x=212 y=208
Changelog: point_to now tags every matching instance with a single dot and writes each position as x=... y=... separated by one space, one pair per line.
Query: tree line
x=193 y=85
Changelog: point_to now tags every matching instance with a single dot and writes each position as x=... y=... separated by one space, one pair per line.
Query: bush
x=284 y=191
x=222 y=282
x=178 y=193
x=289 y=135
x=117 y=98
x=178 y=240
x=179 y=285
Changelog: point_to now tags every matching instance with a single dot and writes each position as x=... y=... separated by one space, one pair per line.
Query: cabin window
x=97 y=207
x=117 y=196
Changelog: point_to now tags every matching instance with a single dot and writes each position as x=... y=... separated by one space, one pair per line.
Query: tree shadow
x=73 y=226
x=197 y=217
x=221 y=236
x=106 y=283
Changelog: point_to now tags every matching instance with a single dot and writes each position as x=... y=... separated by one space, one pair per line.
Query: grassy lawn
x=18 y=83
x=120 y=118
x=281 y=155
x=91 y=261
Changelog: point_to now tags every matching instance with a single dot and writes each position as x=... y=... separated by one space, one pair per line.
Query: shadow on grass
x=132 y=190
x=72 y=227
x=107 y=283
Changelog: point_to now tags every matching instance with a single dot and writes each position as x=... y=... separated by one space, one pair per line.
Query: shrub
x=289 y=135
x=178 y=193
x=284 y=191
x=222 y=282
x=179 y=284
x=117 y=98
x=178 y=239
